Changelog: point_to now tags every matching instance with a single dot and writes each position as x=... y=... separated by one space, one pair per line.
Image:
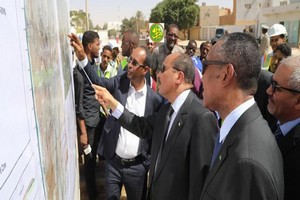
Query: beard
x=171 y=45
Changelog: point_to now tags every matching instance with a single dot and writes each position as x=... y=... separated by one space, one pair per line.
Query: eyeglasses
x=172 y=35
x=205 y=63
x=275 y=85
x=134 y=62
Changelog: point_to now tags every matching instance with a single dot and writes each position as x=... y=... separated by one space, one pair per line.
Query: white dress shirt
x=232 y=118
x=128 y=143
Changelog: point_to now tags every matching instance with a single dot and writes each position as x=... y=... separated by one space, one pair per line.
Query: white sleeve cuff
x=82 y=63
x=118 y=111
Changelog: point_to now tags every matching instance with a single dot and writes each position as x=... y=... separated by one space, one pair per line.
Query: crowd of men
x=170 y=125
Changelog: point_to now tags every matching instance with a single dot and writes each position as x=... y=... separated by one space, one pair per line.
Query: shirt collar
x=180 y=100
x=286 y=127
x=232 y=118
x=142 y=91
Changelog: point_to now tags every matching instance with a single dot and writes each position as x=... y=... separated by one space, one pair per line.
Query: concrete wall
x=209 y=16
x=288 y=15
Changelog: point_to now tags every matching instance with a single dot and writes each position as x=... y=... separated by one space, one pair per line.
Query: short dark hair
x=116 y=49
x=133 y=37
x=89 y=37
x=107 y=47
x=204 y=43
x=148 y=59
x=284 y=49
x=171 y=26
x=184 y=63
x=241 y=50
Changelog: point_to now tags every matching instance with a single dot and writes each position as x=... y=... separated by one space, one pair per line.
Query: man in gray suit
x=127 y=157
x=247 y=163
x=182 y=140
x=284 y=104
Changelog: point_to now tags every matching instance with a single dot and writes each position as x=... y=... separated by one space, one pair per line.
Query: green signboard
x=156 y=31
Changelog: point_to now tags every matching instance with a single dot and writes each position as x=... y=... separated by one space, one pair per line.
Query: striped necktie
x=278 y=134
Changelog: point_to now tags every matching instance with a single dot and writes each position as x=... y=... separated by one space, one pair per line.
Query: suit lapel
x=288 y=142
x=174 y=132
x=124 y=88
x=248 y=116
x=148 y=106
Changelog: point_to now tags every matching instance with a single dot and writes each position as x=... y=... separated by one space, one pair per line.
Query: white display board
x=20 y=167
x=38 y=140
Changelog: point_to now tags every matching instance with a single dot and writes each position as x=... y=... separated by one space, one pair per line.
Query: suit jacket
x=249 y=163
x=261 y=97
x=118 y=86
x=289 y=146
x=187 y=152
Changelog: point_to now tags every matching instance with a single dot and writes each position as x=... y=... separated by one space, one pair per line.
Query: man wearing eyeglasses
x=247 y=163
x=170 y=46
x=126 y=156
x=284 y=104
x=182 y=132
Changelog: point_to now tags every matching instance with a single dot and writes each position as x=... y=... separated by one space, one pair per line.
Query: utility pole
x=87 y=15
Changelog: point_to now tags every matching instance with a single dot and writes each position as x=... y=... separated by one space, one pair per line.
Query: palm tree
x=139 y=17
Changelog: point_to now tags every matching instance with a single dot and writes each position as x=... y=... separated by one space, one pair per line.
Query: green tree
x=78 y=20
x=136 y=22
x=157 y=13
x=97 y=28
x=184 y=13
x=128 y=24
x=104 y=26
x=139 y=17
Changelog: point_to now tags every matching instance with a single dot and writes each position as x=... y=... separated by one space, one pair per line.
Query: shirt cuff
x=83 y=63
x=118 y=111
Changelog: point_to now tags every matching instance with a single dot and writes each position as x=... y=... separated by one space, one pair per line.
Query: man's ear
x=146 y=69
x=228 y=73
x=180 y=78
x=90 y=45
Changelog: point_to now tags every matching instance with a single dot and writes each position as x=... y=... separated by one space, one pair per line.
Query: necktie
x=167 y=121
x=216 y=149
x=278 y=134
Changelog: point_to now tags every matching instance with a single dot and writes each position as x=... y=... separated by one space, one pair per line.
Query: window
x=248 y=6
x=282 y=3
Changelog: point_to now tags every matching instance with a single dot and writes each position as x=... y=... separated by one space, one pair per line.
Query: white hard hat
x=265 y=26
x=277 y=29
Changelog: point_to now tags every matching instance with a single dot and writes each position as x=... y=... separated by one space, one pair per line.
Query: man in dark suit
x=246 y=163
x=127 y=157
x=284 y=104
x=182 y=142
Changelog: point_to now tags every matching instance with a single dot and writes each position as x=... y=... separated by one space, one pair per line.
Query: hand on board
x=77 y=45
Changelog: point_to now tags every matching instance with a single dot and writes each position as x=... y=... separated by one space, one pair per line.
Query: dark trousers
x=94 y=134
x=133 y=176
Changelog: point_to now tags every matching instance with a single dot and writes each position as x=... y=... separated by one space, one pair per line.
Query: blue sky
x=102 y=11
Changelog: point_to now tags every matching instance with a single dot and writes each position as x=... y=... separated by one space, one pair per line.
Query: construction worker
x=277 y=34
